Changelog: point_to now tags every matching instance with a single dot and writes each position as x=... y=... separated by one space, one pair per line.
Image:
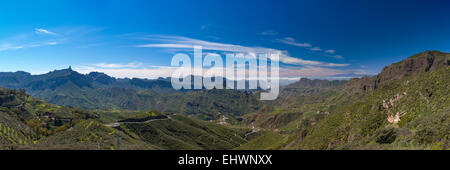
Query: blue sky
x=320 y=39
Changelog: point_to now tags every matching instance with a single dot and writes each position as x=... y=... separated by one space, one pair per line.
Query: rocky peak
x=416 y=64
x=101 y=77
x=305 y=82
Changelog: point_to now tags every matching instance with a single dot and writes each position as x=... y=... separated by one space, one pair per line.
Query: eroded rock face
x=388 y=105
x=416 y=64
x=395 y=118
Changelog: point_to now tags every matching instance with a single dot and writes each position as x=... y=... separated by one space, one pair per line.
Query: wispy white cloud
x=43 y=31
x=167 y=45
x=309 y=71
x=124 y=72
x=15 y=46
x=53 y=43
x=179 y=42
x=291 y=41
x=214 y=37
x=127 y=70
x=337 y=56
x=128 y=65
x=7 y=46
x=205 y=26
x=27 y=40
x=269 y=32
x=331 y=53
x=139 y=70
x=315 y=49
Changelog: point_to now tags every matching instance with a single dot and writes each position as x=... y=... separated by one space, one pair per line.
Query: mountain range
x=99 y=91
x=406 y=106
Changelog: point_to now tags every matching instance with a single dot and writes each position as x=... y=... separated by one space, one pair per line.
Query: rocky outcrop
x=416 y=64
x=305 y=82
x=389 y=105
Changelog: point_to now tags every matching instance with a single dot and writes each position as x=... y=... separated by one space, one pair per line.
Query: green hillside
x=24 y=119
x=406 y=106
x=29 y=123
x=181 y=132
x=408 y=113
x=91 y=135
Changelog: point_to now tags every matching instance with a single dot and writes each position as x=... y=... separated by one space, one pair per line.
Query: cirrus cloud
x=43 y=31
x=269 y=32
x=180 y=42
x=291 y=41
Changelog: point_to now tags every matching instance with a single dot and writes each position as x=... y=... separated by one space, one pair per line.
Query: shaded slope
x=406 y=106
x=91 y=135
x=181 y=132
x=27 y=123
